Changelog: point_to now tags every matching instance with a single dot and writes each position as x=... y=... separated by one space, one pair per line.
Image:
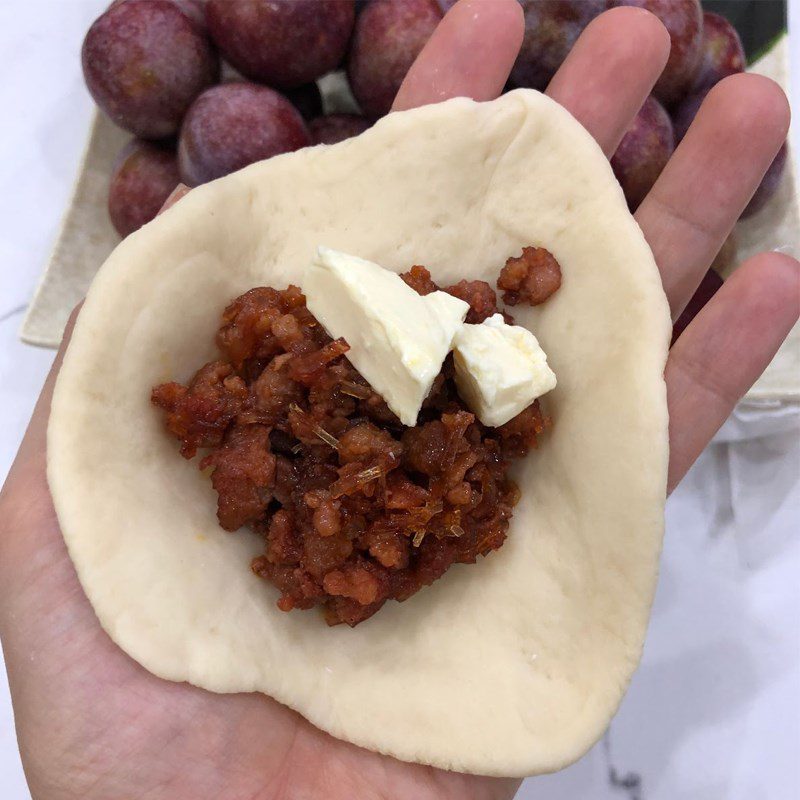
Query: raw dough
x=510 y=667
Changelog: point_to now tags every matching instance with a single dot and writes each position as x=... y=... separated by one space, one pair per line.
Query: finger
x=610 y=71
x=470 y=54
x=724 y=350
x=709 y=180
x=181 y=190
x=35 y=434
x=29 y=464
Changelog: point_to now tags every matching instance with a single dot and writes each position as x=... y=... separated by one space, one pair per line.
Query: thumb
x=35 y=436
x=25 y=496
x=28 y=525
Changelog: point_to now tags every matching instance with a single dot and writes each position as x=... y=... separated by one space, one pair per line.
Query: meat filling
x=354 y=508
x=530 y=278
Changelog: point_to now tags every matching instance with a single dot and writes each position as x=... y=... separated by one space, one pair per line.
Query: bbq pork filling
x=354 y=507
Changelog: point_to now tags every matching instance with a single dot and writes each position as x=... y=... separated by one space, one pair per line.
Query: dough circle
x=513 y=666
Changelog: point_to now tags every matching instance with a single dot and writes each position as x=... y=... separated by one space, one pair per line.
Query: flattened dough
x=510 y=667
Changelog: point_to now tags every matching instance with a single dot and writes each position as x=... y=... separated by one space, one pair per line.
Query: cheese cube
x=500 y=369
x=398 y=339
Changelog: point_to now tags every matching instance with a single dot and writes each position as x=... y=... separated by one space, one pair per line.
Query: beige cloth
x=85 y=240
x=776 y=227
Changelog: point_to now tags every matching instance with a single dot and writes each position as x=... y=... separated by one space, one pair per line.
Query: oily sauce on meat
x=354 y=508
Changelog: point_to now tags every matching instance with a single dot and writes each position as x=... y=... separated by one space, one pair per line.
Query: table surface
x=712 y=711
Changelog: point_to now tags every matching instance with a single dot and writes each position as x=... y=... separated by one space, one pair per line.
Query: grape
x=307 y=100
x=705 y=291
x=389 y=35
x=684 y=21
x=722 y=52
x=193 y=9
x=551 y=28
x=769 y=184
x=233 y=125
x=143 y=178
x=144 y=61
x=336 y=128
x=283 y=44
x=643 y=151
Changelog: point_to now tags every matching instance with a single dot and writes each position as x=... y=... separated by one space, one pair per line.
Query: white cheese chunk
x=500 y=369
x=398 y=339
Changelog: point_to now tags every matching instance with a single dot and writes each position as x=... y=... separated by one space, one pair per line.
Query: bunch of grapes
x=705 y=48
x=210 y=86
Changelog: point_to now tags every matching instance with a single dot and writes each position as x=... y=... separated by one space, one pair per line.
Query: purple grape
x=769 y=184
x=233 y=125
x=389 y=35
x=684 y=21
x=307 y=100
x=194 y=9
x=143 y=178
x=144 y=61
x=284 y=44
x=551 y=28
x=722 y=53
x=643 y=151
x=337 y=127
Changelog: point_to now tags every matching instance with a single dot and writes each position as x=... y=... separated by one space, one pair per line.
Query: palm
x=96 y=723
x=92 y=723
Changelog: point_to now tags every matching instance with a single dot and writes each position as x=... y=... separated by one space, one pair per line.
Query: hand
x=93 y=724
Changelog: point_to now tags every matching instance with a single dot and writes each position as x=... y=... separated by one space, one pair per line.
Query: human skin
x=92 y=723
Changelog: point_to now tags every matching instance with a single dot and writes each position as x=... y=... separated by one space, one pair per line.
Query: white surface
x=713 y=711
